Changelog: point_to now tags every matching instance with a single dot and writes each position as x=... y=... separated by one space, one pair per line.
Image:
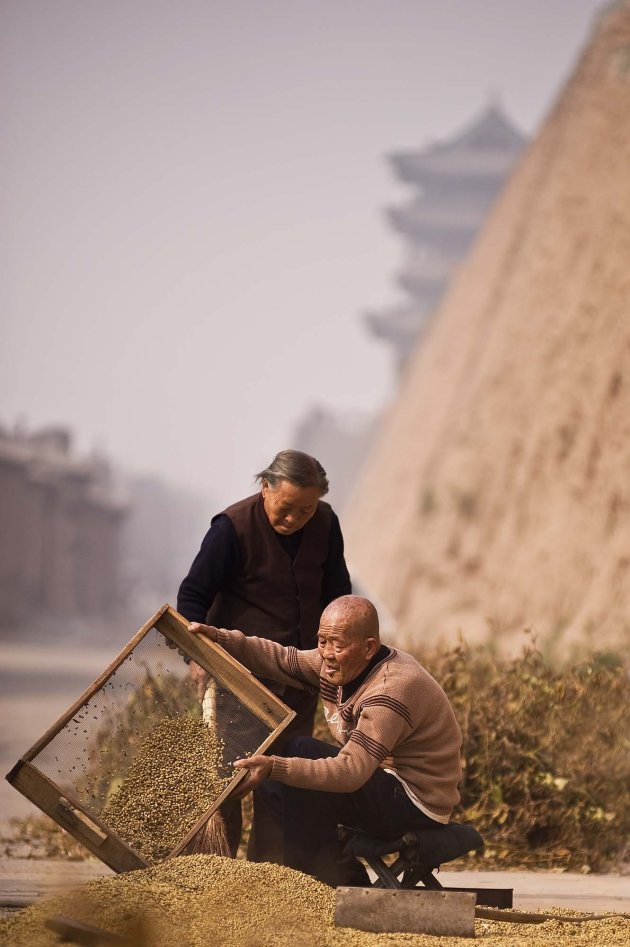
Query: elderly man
x=396 y=760
x=269 y=565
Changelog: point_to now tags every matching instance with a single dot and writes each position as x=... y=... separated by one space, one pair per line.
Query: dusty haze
x=191 y=205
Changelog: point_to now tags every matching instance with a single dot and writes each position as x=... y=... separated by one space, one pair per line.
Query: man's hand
x=259 y=768
x=208 y=630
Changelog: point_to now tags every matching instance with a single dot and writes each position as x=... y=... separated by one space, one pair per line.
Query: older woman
x=269 y=565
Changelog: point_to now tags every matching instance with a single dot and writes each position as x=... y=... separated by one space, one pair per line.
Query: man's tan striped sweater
x=399 y=718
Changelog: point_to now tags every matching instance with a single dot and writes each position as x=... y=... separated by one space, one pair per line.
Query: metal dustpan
x=409 y=911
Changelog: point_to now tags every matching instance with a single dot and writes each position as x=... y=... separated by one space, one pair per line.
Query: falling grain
x=173 y=779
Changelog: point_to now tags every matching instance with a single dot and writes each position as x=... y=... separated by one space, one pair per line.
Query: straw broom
x=212 y=838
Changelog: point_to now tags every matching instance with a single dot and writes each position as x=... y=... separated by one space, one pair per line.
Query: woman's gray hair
x=298 y=468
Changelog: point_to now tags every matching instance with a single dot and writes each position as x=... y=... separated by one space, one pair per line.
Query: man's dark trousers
x=310 y=817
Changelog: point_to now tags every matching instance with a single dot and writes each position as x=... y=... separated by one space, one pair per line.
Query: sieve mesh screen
x=148 y=753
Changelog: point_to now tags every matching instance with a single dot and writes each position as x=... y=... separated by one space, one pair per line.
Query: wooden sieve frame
x=68 y=811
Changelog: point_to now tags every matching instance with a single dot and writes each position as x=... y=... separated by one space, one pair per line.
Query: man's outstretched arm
x=267 y=658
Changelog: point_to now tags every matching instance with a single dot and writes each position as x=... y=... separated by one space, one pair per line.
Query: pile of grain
x=199 y=900
x=173 y=779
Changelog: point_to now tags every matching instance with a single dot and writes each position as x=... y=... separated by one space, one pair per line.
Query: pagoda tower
x=455 y=183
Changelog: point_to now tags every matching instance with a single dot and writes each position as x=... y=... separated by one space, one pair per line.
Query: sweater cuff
x=280 y=769
x=223 y=637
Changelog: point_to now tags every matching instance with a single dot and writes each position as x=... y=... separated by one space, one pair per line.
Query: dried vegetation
x=546 y=754
x=547 y=760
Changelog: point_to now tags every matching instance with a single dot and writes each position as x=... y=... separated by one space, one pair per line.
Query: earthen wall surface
x=497 y=495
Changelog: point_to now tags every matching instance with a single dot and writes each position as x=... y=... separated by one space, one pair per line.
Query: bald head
x=348 y=638
x=354 y=613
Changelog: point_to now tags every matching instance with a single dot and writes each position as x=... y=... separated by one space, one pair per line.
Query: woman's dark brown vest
x=274 y=597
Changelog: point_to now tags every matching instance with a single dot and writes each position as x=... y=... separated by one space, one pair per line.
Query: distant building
x=61 y=518
x=455 y=182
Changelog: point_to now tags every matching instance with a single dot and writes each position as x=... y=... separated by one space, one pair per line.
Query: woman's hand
x=200 y=679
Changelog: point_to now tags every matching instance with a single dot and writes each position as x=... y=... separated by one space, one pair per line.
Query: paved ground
x=25 y=880
x=541 y=890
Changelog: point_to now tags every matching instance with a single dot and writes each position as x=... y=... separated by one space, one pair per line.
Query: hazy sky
x=192 y=198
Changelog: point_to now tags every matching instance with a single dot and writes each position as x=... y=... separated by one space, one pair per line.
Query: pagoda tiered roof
x=422 y=220
x=398 y=325
x=455 y=183
x=424 y=277
x=486 y=149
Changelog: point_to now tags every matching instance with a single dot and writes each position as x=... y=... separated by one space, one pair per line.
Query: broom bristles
x=211 y=839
